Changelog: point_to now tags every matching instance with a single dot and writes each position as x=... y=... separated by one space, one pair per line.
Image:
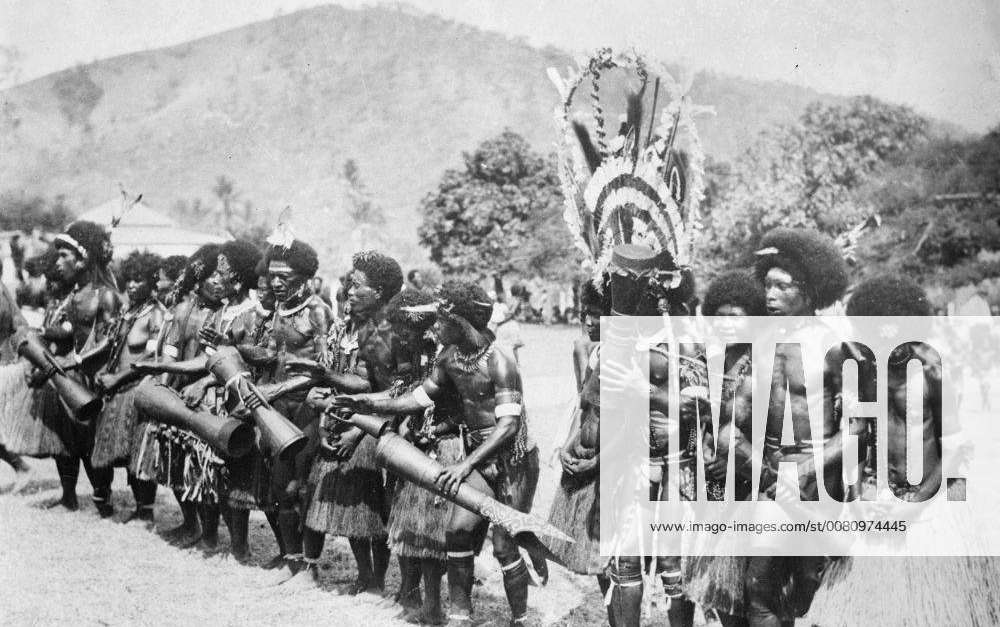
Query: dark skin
x=140 y=333
x=90 y=308
x=297 y=337
x=191 y=350
x=582 y=346
x=476 y=390
x=786 y=296
x=931 y=445
x=370 y=372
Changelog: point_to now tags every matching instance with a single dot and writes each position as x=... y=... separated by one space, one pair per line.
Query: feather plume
x=590 y=151
x=282 y=235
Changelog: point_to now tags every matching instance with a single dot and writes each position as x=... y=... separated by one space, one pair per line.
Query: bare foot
x=419 y=616
x=305 y=579
x=175 y=534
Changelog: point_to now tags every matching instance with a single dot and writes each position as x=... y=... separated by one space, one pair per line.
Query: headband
x=70 y=242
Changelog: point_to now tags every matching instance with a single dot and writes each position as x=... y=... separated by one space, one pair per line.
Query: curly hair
x=888 y=295
x=810 y=257
x=173 y=265
x=591 y=296
x=469 y=301
x=141 y=266
x=301 y=257
x=737 y=288
x=243 y=258
x=199 y=267
x=394 y=313
x=383 y=272
x=91 y=237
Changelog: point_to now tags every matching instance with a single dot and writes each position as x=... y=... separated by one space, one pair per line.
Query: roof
x=139 y=215
x=144 y=228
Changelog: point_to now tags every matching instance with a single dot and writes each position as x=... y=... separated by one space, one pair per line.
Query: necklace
x=470 y=362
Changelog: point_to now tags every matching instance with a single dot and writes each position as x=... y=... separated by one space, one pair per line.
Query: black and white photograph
x=308 y=310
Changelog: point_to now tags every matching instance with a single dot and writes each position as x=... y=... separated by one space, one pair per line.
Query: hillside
x=278 y=106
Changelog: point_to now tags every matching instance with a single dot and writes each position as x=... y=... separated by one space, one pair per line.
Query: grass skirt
x=716 y=582
x=908 y=591
x=116 y=426
x=575 y=510
x=32 y=421
x=177 y=459
x=248 y=481
x=348 y=497
x=419 y=518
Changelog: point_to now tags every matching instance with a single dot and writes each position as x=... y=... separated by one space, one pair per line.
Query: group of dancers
x=428 y=366
x=428 y=360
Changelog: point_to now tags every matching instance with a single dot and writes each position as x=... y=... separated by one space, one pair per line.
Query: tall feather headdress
x=644 y=185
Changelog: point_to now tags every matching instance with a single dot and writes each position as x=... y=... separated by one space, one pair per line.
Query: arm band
x=170 y=351
x=507 y=409
x=420 y=395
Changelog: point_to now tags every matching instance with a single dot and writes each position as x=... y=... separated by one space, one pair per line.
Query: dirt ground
x=58 y=567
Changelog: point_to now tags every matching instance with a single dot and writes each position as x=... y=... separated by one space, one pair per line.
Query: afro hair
x=301 y=257
x=243 y=258
x=173 y=265
x=95 y=241
x=888 y=296
x=591 y=296
x=382 y=271
x=737 y=288
x=469 y=301
x=141 y=266
x=396 y=316
x=199 y=267
x=810 y=257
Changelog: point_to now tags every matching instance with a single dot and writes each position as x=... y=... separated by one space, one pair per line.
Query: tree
x=500 y=213
x=225 y=190
x=821 y=172
x=23 y=213
x=367 y=216
x=985 y=162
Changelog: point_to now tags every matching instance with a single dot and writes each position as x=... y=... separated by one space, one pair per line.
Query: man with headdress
x=297 y=329
x=133 y=338
x=89 y=313
x=487 y=379
x=802 y=271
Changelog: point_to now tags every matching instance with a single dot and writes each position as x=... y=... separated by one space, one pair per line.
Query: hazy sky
x=940 y=56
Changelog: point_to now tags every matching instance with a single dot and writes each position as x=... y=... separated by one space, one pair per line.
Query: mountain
x=279 y=106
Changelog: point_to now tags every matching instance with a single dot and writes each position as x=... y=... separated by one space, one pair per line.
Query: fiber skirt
x=716 y=582
x=179 y=460
x=575 y=511
x=419 y=518
x=908 y=591
x=116 y=426
x=348 y=497
x=33 y=422
x=248 y=482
